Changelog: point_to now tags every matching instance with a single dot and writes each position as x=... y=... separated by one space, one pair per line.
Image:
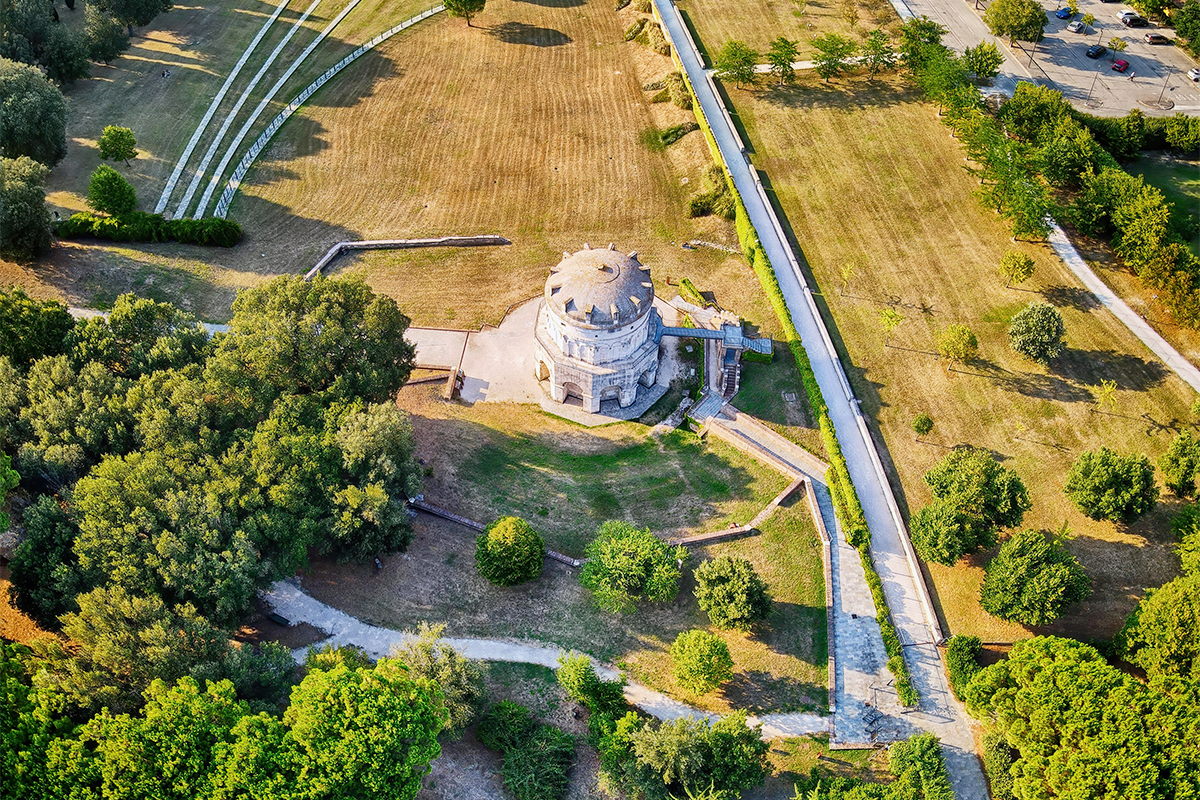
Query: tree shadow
x=357 y=81
x=1075 y=297
x=522 y=33
x=1032 y=384
x=849 y=93
x=555 y=3
x=759 y=692
x=1093 y=366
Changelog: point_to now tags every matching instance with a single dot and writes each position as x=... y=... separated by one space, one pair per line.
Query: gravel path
x=287 y=599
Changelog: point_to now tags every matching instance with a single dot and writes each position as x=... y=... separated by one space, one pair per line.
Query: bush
x=678 y=89
x=460 y=678
x=142 y=227
x=626 y=565
x=676 y=132
x=620 y=4
x=1162 y=635
x=1179 y=464
x=1106 y=486
x=657 y=42
x=327 y=657
x=1016 y=266
x=509 y=552
x=958 y=344
x=643 y=6
x=962 y=662
x=110 y=193
x=576 y=676
x=1187 y=527
x=998 y=759
x=634 y=29
x=24 y=220
x=922 y=424
x=702 y=661
x=1032 y=581
x=537 y=770
x=505 y=727
x=731 y=593
x=1036 y=332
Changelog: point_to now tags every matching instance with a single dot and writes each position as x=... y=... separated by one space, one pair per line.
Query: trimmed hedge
x=997 y=763
x=962 y=662
x=138 y=226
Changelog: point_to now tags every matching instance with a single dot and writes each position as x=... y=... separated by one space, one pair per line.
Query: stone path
x=1121 y=310
x=907 y=597
x=288 y=600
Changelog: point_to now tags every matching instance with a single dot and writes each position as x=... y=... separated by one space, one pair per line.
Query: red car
x=1120 y=65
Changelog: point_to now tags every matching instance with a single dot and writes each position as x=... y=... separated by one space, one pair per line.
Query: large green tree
x=701 y=661
x=510 y=552
x=106 y=38
x=1032 y=580
x=781 y=57
x=626 y=565
x=109 y=192
x=834 y=56
x=460 y=679
x=33 y=114
x=735 y=62
x=365 y=733
x=117 y=144
x=730 y=591
x=1105 y=485
x=31 y=329
x=984 y=60
x=1162 y=635
x=24 y=220
x=134 y=12
x=45 y=573
x=465 y=9
x=1016 y=19
x=1036 y=332
x=1180 y=463
x=335 y=339
x=920 y=39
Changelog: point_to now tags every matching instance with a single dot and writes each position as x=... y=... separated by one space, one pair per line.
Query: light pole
x=1095 y=78
x=1164 y=88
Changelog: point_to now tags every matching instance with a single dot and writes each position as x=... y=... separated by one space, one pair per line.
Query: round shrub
x=922 y=424
x=1036 y=332
x=506 y=726
x=509 y=552
x=109 y=193
x=1162 y=635
x=958 y=344
x=1032 y=580
x=702 y=661
x=731 y=593
x=1106 y=485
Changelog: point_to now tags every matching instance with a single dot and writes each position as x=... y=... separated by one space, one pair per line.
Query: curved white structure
x=595 y=336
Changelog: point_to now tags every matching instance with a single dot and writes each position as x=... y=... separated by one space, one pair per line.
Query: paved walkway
x=1121 y=310
x=289 y=600
x=906 y=595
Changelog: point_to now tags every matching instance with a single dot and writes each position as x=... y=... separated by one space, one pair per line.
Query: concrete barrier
x=488 y=240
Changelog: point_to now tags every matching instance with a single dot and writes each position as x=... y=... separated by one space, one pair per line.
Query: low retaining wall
x=488 y=240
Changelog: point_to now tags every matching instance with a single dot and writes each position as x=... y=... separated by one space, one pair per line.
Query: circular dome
x=599 y=288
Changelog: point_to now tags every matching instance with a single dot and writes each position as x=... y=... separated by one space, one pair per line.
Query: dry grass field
x=759 y=22
x=889 y=194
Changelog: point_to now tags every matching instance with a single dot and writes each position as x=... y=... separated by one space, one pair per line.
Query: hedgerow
x=138 y=226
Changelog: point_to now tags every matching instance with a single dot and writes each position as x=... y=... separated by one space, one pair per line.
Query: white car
x=1076 y=27
x=1126 y=14
x=1194 y=74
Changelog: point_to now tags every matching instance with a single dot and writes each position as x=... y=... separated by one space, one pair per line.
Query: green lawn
x=1179 y=180
x=774 y=394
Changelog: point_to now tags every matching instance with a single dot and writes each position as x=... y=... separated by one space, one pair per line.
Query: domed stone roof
x=599 y=288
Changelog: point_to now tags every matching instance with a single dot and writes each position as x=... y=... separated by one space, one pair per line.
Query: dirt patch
x=258 y=628
x=15 y=626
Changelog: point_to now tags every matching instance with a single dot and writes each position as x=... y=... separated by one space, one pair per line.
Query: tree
x=461 y=679
x=134 y=12
x=1016 y=19
x=735 y=62
x=848 y=270
x=942 y=534
x=957 y=344
x=962 y=662
x=984 y=59
x=732 y=594
x=334 y=339
x=110 y=193
x=942 y=75
x=31 y=329
x=781 y=56
x=106 y=38
x=1162 y=635
x=509 y=552
x=1179 y=464
x=1116 y=45
x=117 y=144
x=262 y=674
x=465 y=9
x=364 y=733
x=834 y=55
x=1187 y=25
x=626 y=565
x=890 y=319
x=701 y=661
x=1032 y=580
x=1081 y=728
x=65 y=55
x=920 y=38
x=577 y=676
x=688 y=757
x=8 y=481
x=877 y=53
x=1036 y=332
x=922 y=424
x=1088 y=21
x=1106 y=486
x=1016 y=266
x=45 y=576
x=34 y=114
x=24 y=220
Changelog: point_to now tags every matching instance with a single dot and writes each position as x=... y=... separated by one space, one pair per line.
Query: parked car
x=1135 y=22
x=1126 y=13
x=1096 y=50
x=1064 y=13
x=1156 y=38
x=1076 y=27
x=1120 y=65
x=1194 y=74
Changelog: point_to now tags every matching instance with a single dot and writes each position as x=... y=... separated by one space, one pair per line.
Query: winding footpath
x=287 y=599
x=907 y=597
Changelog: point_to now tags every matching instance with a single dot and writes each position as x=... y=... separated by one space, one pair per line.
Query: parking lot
x=1155 y=70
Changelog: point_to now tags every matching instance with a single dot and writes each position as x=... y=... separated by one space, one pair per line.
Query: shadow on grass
x=1075 y=297
x=356 y=82
x=848 y=93
x=555 y=3
x=755 y=691
x=1030 y=384
x=1093 y=366
x=522 y=33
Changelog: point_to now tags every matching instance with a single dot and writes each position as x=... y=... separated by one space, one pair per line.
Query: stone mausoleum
x=597 y=328
x=598 y=333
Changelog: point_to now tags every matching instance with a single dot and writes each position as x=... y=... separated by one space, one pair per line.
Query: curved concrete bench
x=488 y=240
